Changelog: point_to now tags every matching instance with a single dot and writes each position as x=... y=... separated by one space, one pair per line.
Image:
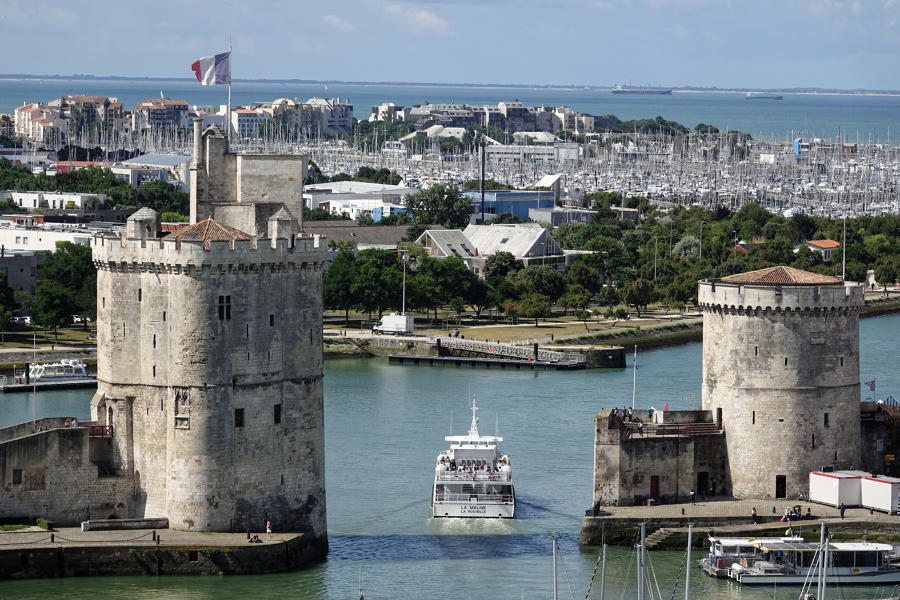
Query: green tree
x=441 y=205
x=583 y=274
x=639 y=293
x=535 y=306
x=337 y=283
x=378 y=282
x=576 y=298
x=67 y=285
x=542 y=279
x=501 y=264
x=886 y=273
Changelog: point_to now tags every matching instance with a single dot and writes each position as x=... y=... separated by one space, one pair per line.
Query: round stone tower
x=781 y=373
x=209 y=353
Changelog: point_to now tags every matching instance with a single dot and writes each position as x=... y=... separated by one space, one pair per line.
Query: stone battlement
x=181 y=255
x=766 y=298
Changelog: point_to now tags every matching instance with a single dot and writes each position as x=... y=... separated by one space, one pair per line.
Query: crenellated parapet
x=174 y=257
x=720 y=296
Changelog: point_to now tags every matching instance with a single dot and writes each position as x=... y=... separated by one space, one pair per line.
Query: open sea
x=384 y=426
x=874 y=119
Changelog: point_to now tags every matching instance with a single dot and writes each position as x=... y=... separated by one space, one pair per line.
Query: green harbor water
x=384 y=427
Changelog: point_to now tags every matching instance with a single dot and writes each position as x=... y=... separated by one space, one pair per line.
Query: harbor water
x=858 y=117
x=384 y=427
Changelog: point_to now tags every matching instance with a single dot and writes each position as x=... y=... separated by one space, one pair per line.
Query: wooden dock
x=488 y=363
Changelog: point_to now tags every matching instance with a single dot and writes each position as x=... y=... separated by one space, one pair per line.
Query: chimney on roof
x=198 y=142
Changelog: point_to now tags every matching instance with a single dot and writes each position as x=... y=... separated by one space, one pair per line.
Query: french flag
x=213 y=70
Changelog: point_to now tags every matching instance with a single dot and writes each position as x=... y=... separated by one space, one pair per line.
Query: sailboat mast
x=687 y=572
x=553 y=542
x=634 y=379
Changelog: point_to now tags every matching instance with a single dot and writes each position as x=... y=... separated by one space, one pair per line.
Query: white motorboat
x=725 y=551
x=848 y=563
x=472 y=478
x=64 y=370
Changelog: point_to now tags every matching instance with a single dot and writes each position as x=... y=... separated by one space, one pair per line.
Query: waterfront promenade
x=668 y=523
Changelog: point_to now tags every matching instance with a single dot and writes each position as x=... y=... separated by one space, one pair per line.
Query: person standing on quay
x=268 y=530
x=693 y=496
x=842 y=508
x=755 y=516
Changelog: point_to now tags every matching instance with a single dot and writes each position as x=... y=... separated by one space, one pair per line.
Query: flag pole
x=228 y=108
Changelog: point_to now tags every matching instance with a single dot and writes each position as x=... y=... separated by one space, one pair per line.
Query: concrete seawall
x=71 y=553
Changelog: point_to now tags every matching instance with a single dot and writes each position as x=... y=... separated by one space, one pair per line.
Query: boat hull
x=861 y=579
x=473 y=510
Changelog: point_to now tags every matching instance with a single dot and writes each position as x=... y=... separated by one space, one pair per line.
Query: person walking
x=693 y=496
x=755 y=516
x=842 y=508
x=268 y=530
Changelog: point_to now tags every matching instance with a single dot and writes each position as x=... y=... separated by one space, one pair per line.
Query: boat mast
x=553 y=542
x=634 y=381
x=822 y=560
x=473 y=429
x=687 y=571
x=641 y=562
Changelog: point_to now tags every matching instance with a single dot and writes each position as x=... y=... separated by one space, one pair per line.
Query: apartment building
x=154 y=113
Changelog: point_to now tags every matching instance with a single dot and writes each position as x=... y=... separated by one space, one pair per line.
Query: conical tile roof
x=781 y=275
x=207 y=231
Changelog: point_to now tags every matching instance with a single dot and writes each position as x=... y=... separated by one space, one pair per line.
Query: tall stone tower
x=781 y=373
x=210 y=352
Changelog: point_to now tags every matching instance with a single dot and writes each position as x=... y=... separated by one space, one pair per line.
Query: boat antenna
x=496 y=425
x=473 y=430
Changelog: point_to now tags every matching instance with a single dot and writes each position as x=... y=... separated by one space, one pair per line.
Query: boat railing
x=472 y=476
x=472 y=497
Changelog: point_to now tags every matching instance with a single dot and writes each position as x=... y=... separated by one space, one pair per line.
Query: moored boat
x=793 y=563
x=725 y=551
x=472 y=478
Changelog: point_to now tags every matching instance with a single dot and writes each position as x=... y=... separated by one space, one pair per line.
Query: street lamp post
x=403 y=255
x=701 y=240
x=655 y=254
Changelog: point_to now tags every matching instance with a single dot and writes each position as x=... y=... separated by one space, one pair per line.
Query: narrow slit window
x=827 y=424
x=277 y=414
x=754 y=417
x=755 y=350
x=813 y=441
x=785 y=361
x=164 y=316
x=154 y=340
x=139 y=294
x=842 y=361
x=271 y=320
x=239 y=417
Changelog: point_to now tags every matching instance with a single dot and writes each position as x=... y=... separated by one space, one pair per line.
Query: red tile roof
x=781 y=275
x=207 y=231
x=823 y=244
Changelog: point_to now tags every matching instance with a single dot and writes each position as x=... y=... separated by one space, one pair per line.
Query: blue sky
x=726 y=43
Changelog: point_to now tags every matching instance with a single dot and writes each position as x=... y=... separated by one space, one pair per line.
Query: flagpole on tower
x=228 y=108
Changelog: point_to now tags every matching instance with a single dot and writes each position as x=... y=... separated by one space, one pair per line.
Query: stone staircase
x=659 y=536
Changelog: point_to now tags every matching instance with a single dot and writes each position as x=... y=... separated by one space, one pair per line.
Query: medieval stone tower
x=781 y=373
x=210 y=351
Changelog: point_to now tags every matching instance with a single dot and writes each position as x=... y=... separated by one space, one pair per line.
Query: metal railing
x=464 y=476
x=480 y=498
x=101 y=431
x=631 y=430
x=508 y=350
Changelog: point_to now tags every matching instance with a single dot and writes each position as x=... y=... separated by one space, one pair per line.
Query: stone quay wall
x=781 y=370
x=210 y=368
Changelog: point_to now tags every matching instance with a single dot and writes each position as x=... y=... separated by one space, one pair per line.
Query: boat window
x=843 y=559
x=866 y=559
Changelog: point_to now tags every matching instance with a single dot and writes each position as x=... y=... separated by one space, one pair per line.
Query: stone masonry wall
x=58 y=479
x=188 y=372
x=781 y=363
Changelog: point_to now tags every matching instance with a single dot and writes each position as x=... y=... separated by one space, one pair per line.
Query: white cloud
x=424 y=21
x=689 y=5
x=339 y=24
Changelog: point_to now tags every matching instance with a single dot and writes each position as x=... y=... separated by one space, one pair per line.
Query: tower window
x=139 y=294
x=277 y=414
x=754 y=417
x=154 y=370
x=164 y=316
x=827 y=424
x=271 y=320
x=224 y=308
x=785 y=361
x=103 y=302
x=154 y=340
x=17 y=476
x=755 y=350
x=842 y=361
x=239 y=417
x=813 y=441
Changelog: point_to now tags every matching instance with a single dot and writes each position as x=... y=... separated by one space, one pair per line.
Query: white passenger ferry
x=472 y=478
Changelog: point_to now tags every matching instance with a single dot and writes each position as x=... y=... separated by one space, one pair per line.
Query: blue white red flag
x=213 y=70
x=871 y=385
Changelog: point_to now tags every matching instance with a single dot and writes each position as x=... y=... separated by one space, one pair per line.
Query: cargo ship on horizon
x=642 y=91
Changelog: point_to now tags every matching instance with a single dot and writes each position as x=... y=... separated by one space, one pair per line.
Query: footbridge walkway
x=531 y=352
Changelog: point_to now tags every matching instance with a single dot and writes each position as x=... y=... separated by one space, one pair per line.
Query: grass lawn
x=13 y=527
x=25 y=338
